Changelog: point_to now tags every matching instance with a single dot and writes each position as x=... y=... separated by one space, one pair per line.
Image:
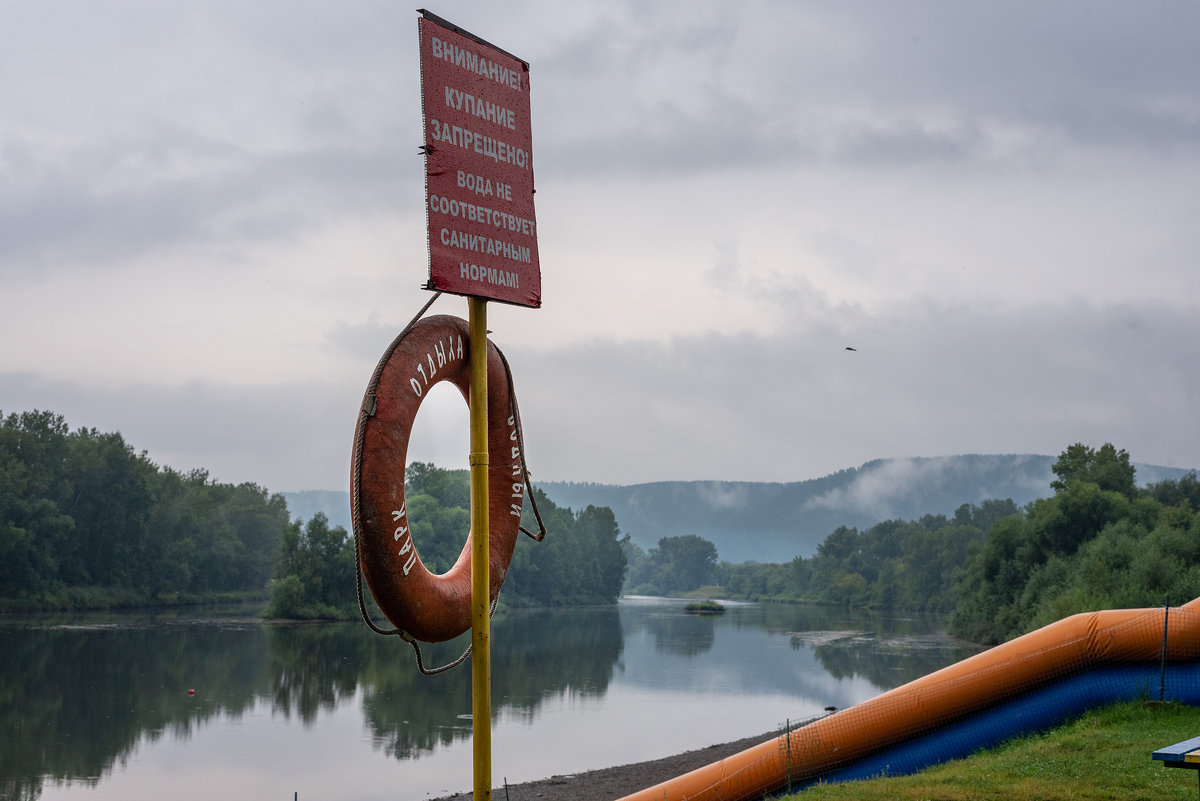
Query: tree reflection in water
x=676 y=634
x=537 y=654
x=888 y=661
x=77 y=699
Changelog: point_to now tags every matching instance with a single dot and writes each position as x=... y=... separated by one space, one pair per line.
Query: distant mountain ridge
x=775 y=522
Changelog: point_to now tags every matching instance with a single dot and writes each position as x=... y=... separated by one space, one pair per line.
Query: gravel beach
x=607 y=784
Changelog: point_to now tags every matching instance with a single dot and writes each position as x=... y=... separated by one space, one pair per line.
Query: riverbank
x=607 y=784
x=126 y=600
x=1118 y=740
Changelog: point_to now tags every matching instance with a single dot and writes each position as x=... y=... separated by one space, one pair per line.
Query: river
x=221 y=705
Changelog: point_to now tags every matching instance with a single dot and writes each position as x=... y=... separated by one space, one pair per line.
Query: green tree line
x=1099 y=542
x=87 y=520
x=913 y=565
x=997 y=570
x=581 y=560
x=314 y=576
x=678 y=564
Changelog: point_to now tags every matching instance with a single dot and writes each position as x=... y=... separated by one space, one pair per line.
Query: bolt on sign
x=478 y=167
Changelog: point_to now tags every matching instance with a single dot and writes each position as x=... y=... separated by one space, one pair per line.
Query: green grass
x=1103 y=755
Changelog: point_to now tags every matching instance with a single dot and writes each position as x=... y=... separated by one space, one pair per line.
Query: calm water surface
x=96 y=707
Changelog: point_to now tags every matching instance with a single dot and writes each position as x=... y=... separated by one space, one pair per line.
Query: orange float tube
x=1075 y=643
x=429 y=607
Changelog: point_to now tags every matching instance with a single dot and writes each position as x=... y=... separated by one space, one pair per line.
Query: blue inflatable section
x=1036 y=710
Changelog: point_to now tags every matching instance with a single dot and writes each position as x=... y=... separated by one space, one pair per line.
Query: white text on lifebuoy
x=427 y=368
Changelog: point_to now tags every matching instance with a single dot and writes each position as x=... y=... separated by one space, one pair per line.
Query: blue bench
x=1181 y=755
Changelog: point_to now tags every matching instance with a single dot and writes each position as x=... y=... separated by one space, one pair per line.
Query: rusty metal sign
x=478 y=167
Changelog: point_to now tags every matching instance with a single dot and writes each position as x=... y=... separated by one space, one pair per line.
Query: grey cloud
x=283 y=119
x=133 y=128
x=726 y=267
x=879 y=489
x=924 y=382
x=118 y=197
x=1025 y=49
x=942 y=81
x=621 y=91
x=723 y=496
x=731 y=134
x=356 y=339
x=277 y=436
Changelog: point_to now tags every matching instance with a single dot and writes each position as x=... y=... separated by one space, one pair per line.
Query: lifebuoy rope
x=367 y=410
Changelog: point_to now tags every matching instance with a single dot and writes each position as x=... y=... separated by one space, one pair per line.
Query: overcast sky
x=212 y=224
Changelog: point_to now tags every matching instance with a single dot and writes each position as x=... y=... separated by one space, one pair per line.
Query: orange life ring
x=430 y=607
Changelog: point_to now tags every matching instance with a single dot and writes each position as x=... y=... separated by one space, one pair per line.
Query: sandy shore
x=608 y=784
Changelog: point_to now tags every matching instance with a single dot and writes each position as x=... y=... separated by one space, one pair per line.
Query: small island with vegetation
x=709 y=607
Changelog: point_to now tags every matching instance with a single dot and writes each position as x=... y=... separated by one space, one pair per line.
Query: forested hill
x=775 y=522
x=768 y=522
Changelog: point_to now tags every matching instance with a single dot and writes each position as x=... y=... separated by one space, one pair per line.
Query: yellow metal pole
x=481 y=655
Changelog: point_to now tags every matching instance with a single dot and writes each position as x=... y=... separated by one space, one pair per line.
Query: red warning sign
x=478 y=167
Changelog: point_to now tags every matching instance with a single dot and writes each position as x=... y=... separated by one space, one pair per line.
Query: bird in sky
x=850 y=348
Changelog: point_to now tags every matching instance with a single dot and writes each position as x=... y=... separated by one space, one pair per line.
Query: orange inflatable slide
x=1026 y=684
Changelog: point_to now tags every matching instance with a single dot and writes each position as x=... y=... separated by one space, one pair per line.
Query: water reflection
x=885 y=661
x=76 y=699
x=313 y=668
x=536 y=655
x=680 y=635
x=81 y=698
